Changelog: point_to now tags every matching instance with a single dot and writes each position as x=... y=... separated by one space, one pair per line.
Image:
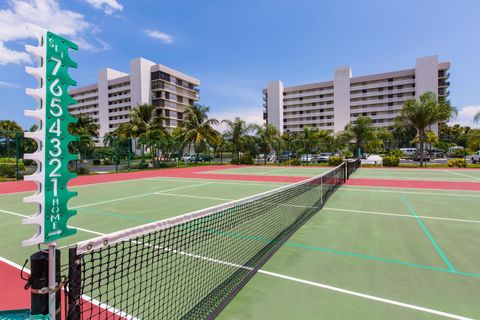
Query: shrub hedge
x=335 y=161
x=391 y=161
x=459 y=163
x=8 y=167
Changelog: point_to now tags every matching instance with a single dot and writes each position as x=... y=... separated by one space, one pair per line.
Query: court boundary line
x=324 y=286
x=308 y=247
x=218 y=181
x=400 y=215
x=428 y=234
x=463 y=175
x=137 y=196
x=366 y=296
x=394 y=190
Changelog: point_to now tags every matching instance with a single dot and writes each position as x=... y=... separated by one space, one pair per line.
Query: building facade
x=110 y=100
x=331 y=105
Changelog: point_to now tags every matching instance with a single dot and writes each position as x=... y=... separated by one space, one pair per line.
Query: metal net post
x=74 y=285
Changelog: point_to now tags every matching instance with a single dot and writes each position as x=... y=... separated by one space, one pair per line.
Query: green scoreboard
x=52 y=137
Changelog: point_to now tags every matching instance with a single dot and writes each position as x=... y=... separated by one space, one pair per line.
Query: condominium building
x=331 y=105
x=110 y=100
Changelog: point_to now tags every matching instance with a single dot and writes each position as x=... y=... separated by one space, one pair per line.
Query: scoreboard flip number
x=52 y=136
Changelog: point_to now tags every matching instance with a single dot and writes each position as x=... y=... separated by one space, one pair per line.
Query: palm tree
x=86 y=129
x=236 y=132
x=423 y=113
x=197 y=128
x=362 y=131
x=477 y=117
x=142 y=119
x=307 y=139
x=267 y=134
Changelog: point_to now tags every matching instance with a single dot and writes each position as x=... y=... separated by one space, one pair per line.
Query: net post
x=17 y=155
x=74 y=285
x=54 y=297
x=39 y=282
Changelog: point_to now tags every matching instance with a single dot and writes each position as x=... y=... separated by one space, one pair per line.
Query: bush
x=106 y=162
x=247 y=158
x=83 y=170
x=8 y=167
x=143 y=165
x=347 y=154
x=396 y=153
x=335 y=161
x=96 y=162
x=391 y=161
x=294 y=162
x=459 y=163
x=458 y=153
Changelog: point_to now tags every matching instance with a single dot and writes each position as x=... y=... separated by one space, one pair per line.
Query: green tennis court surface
x=472 y=175
x=370 y=253
x=273 y=171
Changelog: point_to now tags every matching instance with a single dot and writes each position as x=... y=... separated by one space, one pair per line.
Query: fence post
x=129 y=156
x=17 y=153
x=116 y=154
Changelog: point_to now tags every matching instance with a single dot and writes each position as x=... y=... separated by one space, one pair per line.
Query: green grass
x=365 y=240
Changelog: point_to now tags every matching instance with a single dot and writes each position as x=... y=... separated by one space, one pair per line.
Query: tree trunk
x=421 y=138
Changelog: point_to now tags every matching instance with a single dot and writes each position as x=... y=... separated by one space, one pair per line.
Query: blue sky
x=236 y=47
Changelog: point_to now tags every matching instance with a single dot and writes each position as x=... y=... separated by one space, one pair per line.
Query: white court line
x=226 y=182
x=277 y=275
x=137 y=196
x=401 y=215
x=363 y=189
x=366 y=296
x=26 y=216
x=190 y=196
x=461 y=174
x=316 y=284
x=84 y=297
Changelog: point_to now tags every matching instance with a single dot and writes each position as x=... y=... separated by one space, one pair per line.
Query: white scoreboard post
x=52 y=155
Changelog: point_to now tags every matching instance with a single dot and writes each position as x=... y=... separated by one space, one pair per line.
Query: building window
x=167 y=95
x=167 y=113
x=179 y=99
x=180 y=115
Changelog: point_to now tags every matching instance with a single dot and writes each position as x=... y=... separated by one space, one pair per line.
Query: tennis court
x=369 y=253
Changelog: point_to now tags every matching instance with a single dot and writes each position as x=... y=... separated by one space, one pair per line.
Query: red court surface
x=419 y=184
x=13 y=296
x=193 y=172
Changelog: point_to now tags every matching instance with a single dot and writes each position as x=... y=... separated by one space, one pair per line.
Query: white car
x=476 y=157
x=306 y=158
x=185 y=157
x=373 y=159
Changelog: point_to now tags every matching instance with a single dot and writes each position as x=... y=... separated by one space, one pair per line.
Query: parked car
x=417 y=156
x=272 y=158
x=307 y=158
x=437 y=153
x=286 y=155
x=323 y=157
x=185 y=157
x=409 y=152
x=476 y=157
x=204 y=158
x=373 y=159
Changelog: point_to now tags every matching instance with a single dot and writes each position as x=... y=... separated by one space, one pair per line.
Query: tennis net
x=191 y=266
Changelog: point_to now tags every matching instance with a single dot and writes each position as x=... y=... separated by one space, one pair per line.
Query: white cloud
x=46 y=14
x=108 y=6
x=465 y=116
x=249 y=115
x=155 y=34
x=9 y=85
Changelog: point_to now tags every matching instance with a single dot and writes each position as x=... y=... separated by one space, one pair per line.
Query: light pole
x=288 y=146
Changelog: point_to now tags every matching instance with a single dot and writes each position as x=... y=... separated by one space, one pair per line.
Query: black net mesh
x=191 y=270
x=353 y=165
